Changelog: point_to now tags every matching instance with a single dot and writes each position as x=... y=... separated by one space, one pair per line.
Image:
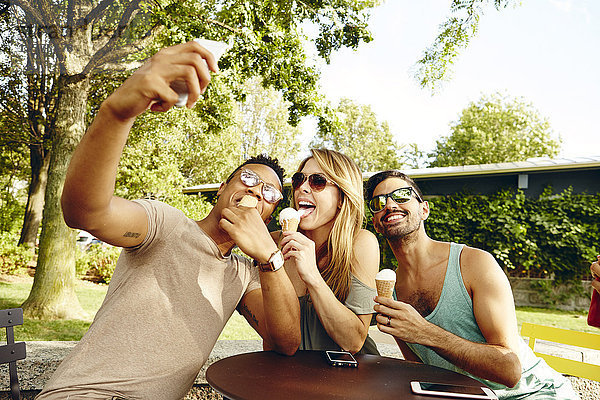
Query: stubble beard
x=402 y=234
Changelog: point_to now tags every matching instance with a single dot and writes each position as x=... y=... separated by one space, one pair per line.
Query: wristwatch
x=275 y=262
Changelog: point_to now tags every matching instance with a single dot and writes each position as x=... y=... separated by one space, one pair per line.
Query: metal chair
x=11 y=352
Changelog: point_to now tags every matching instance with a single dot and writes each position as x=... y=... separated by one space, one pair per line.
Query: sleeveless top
x=454 y=313
x=315 y=337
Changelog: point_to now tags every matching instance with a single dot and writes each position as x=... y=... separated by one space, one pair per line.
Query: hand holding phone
x=341 y=359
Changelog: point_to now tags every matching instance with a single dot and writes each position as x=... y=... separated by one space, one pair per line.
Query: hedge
x=556 y=235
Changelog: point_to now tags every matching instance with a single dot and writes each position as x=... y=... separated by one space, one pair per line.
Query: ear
x=221 y=188
x=425 y=210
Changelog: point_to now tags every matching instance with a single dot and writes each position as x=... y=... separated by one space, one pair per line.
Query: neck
x=319 y=235
x=210 y=226
x=411 y=249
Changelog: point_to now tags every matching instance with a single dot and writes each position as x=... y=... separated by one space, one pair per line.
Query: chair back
x=11 y=352
x=568 y=337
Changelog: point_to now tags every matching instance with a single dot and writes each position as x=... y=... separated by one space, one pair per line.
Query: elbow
x=286 y=347
x=511 y=374
x=513 y=378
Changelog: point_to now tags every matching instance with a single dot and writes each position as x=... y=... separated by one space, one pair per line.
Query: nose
x=305 y=187
x=256 y=190
x=391 y=204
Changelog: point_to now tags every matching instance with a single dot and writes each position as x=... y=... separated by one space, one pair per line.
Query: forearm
x=341 y=324
x=90 y=181
x=282 y=311
x=494 y=362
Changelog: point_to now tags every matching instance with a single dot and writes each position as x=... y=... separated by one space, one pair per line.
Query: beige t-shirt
x=166 y=305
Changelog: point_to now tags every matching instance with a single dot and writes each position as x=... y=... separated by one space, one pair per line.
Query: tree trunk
x=35 y=199
x=53 y=292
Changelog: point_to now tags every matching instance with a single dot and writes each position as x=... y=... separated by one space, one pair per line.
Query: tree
x=354 y=130
x=454 y=35
x=263 y=126
x=496 y=129
x=27 y=102
x=89 y=37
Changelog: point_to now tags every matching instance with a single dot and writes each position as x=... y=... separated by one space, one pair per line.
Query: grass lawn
x=13 y=293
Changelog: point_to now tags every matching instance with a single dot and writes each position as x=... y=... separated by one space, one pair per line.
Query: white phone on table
x=448 y=390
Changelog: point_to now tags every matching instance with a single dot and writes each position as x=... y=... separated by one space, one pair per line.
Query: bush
x=13 y=258
x=552 y=236
x=98 y=261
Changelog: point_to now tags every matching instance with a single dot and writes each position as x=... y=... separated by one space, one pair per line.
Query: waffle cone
x=290 y=225
x=248 y=201
x=385 y=288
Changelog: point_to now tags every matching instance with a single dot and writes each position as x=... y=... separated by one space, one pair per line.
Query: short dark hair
x=263 y=159
x=382 y=176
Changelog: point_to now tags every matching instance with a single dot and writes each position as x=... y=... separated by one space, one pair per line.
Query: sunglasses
x=317 y=182
x=269 y=192
x=400 y=196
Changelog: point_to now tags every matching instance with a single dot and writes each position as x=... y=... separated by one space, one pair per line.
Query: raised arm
x=273 y=311
x=346 y=328
x=493 y=307
x=87 y=200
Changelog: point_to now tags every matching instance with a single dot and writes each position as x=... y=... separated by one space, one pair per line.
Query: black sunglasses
x=317 y=182
x=269 y=192
x=400 y=196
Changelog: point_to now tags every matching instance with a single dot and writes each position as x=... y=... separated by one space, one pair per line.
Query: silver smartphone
x=448 y=390
x=341 y=359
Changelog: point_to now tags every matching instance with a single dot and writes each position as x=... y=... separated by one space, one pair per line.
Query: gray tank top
x=315 y=337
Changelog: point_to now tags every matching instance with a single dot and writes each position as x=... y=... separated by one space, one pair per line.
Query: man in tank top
x=454 y=306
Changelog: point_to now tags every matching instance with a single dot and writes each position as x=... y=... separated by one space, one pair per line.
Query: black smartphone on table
x=341 y=359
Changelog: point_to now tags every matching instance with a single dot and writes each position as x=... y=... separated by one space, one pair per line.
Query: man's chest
x=422 y=294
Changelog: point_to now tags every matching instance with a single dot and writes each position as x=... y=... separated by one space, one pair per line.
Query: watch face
x=276 y=261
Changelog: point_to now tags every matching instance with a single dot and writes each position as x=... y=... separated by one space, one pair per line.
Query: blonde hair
x=342 y=170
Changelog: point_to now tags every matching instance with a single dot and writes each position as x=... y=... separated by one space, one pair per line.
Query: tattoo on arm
x=132 y=234
x=245 y=311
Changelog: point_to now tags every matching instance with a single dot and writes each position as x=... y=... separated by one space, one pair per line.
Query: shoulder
x=474 y=257
x=366 y=240
x=481 y=270
x=365 y=257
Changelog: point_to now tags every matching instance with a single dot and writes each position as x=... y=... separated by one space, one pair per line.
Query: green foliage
x=496 y=129
x=262 y=124
x=553 y=236
x=354 y=130
x=98 y=261
x=454 y=35
x=13 y=259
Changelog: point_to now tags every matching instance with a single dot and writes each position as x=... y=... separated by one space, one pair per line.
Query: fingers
x=180 y=70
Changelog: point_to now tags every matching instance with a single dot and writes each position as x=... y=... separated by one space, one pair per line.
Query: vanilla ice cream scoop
x=289 y=219
x=385 y=281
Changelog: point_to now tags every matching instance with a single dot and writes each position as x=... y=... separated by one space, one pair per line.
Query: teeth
x=395 y=217
x=305 y=204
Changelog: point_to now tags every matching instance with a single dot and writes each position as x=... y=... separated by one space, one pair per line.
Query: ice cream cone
x=385 y=288
x=290 y=225
x=385 y=281
x=248 y=201
x=289 y=219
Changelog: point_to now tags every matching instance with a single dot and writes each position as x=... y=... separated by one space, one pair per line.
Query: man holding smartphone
x=454 y=306
x=176 y=282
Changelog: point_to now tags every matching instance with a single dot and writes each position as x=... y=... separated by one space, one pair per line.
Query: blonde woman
x=331 y=260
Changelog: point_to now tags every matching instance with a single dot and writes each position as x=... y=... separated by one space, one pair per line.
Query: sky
x=546 y=52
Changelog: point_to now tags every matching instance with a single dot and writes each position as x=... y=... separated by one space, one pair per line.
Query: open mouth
x=394 y=217
x=305 y=208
